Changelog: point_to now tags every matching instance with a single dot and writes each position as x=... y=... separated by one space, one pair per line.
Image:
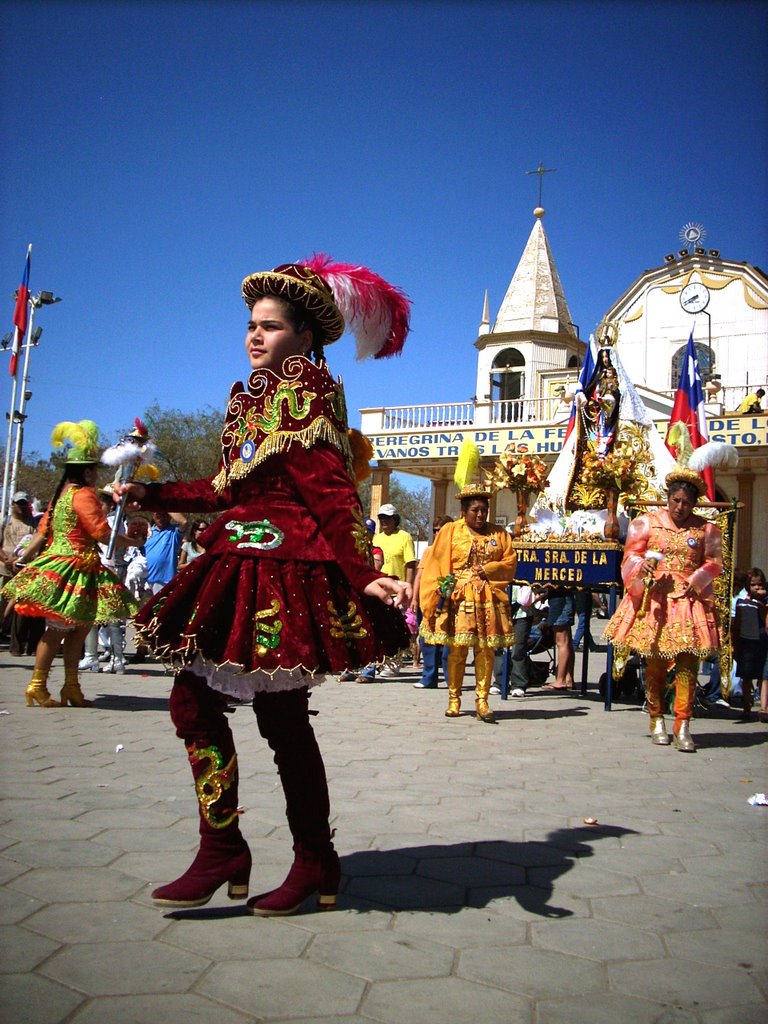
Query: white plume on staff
x=127 y=455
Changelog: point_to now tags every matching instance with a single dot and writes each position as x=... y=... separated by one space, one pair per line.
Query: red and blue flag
x=20 y=314
x=588 y=368
x=688 y=408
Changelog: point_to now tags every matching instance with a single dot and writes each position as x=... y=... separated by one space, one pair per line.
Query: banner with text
x=442 y=443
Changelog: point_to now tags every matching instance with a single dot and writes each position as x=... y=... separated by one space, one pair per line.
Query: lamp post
x=17 y=416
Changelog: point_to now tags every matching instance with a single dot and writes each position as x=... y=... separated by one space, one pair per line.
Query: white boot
x=90 y=663
x=117 y=661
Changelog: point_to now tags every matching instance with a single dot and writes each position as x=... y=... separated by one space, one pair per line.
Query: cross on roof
x=541 y=170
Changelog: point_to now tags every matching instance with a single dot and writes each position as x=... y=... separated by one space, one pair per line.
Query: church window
x=706 y=360
x=508 y=385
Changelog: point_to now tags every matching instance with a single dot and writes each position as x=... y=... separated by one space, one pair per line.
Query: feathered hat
x=691 y=462
x=466 y=472
x=336 y=295
x=83 y=437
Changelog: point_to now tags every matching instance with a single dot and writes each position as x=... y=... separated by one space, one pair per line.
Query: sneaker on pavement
x=421 y=685
x=495 y=689
x=517 y=692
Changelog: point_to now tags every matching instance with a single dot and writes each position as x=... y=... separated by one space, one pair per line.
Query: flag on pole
x=590 y=362
x=20 y=313
x=688 y=408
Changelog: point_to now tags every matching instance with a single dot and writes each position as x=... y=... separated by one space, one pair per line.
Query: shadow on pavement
x=446 y=878
x=518 y=711
x=125 y=701
x=732 y=738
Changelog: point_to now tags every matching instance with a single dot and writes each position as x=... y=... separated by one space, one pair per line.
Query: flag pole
x=6 y=505
x=23 y=399
x=20 y=325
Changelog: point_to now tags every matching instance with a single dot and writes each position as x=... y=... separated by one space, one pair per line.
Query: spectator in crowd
x=560 y=612
x=582 y=602
x=397 y=545
x=17 y=531
x=109 y=636
x=162 y=548
x=191 y=547
x=522 y=600
x=750 y=642
x=135 y=562
x=399 y=562
x=368 y=673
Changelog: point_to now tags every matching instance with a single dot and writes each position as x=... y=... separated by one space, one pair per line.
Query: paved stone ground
x=473 y=892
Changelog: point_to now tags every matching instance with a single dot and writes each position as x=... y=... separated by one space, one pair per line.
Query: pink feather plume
x=377 y=312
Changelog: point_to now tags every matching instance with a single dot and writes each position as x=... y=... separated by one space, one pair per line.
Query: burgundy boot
x=223 y=855
x=283 y=720
x=312 y=871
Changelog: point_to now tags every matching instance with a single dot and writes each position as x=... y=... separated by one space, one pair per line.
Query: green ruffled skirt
x=75 y=590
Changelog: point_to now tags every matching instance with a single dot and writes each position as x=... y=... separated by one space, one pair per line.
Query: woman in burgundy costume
x=285 y=593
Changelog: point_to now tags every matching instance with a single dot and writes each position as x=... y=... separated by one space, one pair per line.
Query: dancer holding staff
x=285 y=592
x=67 y=584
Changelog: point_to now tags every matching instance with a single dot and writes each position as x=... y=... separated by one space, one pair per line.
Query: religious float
x=571 y=521
x=577 y=544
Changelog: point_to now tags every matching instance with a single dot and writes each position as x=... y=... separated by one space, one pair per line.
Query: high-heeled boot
x=283 y=720
x=686 y=673
x=455 y=664
x=313 y=871
x=71 y=692
x=223 y=855
x=655 y=682
x=38 y=691
x=483 y=678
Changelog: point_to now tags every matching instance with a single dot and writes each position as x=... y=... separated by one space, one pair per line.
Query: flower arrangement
x=616 y=470
x=518 y=472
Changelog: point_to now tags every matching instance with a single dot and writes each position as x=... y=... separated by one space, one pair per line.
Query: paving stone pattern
x=473 y=892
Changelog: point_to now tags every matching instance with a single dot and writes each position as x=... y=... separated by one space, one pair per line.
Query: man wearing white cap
x=399 y=561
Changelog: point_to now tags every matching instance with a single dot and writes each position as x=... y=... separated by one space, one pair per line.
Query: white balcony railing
x=458 y=415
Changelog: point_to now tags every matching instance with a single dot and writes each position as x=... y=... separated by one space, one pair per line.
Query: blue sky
x=162 y=151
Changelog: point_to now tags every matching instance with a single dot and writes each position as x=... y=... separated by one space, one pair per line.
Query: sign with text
x=568 y=564
x=444 y=443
